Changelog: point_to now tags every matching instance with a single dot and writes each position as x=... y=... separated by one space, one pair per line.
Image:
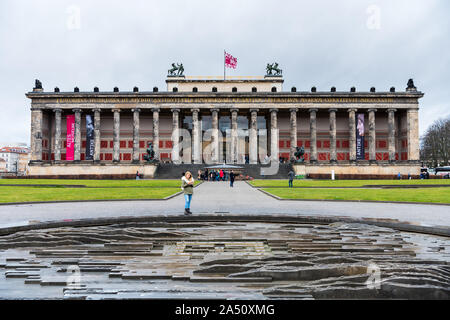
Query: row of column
x=412 y=134
x=37 y=150
x=352 y=137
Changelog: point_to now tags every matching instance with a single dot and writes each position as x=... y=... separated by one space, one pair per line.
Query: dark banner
x=89 y=138
x=360 y=137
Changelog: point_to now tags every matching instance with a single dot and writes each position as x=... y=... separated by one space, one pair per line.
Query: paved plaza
x=218 y=197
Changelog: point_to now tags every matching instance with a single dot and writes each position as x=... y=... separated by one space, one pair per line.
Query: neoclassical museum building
x=100 y=134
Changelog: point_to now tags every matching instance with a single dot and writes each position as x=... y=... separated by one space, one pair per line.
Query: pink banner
x=70 y=137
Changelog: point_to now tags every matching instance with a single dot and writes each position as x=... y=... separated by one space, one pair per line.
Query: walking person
x=232 y=176
x=188 y=190
x=291 y=176
x=221 y=175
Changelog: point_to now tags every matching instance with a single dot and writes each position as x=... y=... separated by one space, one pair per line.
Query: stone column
x=274 y=150
x=57 y=143
x=313 y=133
x=77 y=143
x=215 y=135
x=352 y=136
x=156 y=132
x=253 y=137
x=391 y=137
x=333 y=155
x=97 y=146
x=196 y=142
x=175 y=135
x=372 y=136
x=136 y=126
x=412 y=123
x=36 y=135
x=116 y=136
x=293 y=131
x=234 y=137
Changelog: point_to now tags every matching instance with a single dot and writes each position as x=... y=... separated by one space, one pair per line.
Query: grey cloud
x=128 y=43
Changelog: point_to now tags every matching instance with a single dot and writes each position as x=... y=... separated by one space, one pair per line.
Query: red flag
x=230 y=61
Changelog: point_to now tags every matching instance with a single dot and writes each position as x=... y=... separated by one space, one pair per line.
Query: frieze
x=243 y=100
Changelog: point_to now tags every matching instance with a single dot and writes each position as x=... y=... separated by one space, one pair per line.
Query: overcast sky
x=132 y=43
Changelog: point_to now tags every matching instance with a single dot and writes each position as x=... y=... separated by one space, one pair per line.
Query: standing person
x=291 y=176
x=137 y=175
x=221 y=175
x=207 y=174
x=232 y=178
x=188 y=189
x=399 y=176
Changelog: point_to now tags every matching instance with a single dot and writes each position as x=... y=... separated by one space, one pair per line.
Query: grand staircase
x=174 y=171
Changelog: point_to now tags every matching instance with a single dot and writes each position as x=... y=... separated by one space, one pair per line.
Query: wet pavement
x=218 y=197
x=223 y=260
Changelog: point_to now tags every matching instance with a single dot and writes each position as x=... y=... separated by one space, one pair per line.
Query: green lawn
x=345 y=183
x=96 y=190
x=96 y=183
x=434 y=195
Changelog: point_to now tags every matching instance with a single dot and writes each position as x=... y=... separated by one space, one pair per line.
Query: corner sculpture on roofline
x=37 y=84
x=177 y=70
x=273 y=70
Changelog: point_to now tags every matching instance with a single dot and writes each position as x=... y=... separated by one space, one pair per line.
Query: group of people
x=217 y=175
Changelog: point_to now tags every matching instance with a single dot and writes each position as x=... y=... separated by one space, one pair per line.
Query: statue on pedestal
x=273 y=68
x=177 y=70
x=150 y=156
x=299 y=155
x=37 y=84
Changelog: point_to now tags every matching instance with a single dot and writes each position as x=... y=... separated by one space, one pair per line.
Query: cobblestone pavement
x=218 y=197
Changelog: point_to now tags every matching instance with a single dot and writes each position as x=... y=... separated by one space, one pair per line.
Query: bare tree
x=435 y=143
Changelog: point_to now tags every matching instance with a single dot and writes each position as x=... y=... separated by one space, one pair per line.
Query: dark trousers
x=231 y=183
x=291 y=185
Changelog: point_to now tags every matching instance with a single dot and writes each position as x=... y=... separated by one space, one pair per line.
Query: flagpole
x=224 y=67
